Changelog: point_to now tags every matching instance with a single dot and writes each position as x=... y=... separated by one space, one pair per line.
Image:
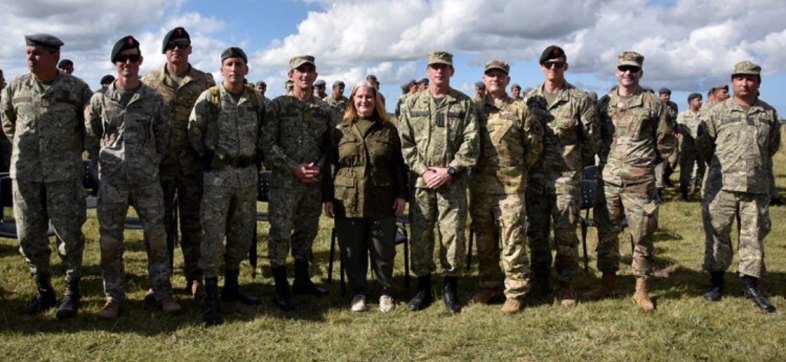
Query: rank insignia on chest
x=44 y=102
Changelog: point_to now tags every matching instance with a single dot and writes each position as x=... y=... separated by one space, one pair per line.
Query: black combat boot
x=541 y=285
x=450 y=294
x=303 y=283
x=70 y=303
x=749 y=285
x=283 y=297
x=423 y=298
x=232 y=292
x=212 y=314
x=715 y=292
x=44 y=299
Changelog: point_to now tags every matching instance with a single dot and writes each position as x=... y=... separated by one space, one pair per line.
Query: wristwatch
x=452 y=171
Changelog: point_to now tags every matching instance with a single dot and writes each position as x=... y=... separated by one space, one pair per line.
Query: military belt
x=236 y=162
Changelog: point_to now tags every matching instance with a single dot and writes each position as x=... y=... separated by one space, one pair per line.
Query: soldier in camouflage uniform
x=42 y=115
x=337 y=99
x=664 y=169
x=571 y=140
x=127 y=134
x=225 y=131
x=515 y=91
x=181 y=174
x=439 y=140
x=691 y=164
x=261 y=90
x=296 y=143
x=510 y=144
x=742 y=134
x=636 y=135
x=320 y=88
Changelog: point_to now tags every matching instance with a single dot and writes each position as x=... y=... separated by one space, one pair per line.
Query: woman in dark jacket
x=367 y=191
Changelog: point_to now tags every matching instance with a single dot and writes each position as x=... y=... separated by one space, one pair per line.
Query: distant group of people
x=175 y=142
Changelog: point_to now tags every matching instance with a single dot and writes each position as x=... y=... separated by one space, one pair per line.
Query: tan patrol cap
x=300 y=60
x=747 y=67
x=630 y=58
x=440 y=57
x=497 y=64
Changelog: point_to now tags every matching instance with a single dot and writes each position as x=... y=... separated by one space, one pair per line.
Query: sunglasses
x=628 y=68
x=556 y=65
x=182 y=44
x=133 y=58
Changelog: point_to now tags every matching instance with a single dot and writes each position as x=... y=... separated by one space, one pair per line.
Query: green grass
x=684 y=326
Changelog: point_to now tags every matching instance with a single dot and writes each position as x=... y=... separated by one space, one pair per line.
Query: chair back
x=263 y=186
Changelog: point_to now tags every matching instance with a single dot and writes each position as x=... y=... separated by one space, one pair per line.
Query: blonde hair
x=351 y=113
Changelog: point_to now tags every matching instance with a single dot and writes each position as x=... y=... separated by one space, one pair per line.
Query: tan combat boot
x=487 y=295
x=169 y=305
x=111 y=310
x=607 y=285
x=641 y=297
x=566 y=297
x=512 y=306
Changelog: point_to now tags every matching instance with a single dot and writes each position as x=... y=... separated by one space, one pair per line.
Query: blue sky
x=689 y=45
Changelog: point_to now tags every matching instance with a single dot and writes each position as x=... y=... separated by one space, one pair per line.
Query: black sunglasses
x=134 y=58
x=556 y=65
x=182 y=44
x=628 y=68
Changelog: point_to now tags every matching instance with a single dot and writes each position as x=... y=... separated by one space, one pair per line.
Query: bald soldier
x=637 y=135
x=43 y=117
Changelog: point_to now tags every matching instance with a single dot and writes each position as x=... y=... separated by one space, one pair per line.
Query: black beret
x=664 y=90
x=693 y=96
x=233 y=52
x=64 y=63
x=175 y=33
x=480 y=85
x=371 y=77
x=126 y=42
x=107 y=79
x=44 y=40
x=261 y=83
x=553 y=52
x=320 y=84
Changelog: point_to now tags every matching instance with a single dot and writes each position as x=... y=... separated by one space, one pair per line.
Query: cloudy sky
x=689 y=45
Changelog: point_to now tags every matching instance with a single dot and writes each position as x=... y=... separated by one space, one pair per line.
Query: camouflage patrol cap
x=497 y=64
x=423 y=81
x=515 y=85
x=553 y=53
x=320 y=84
x=125 y=43
x=664 y=90
x=338 y=83
x=630 y=58
x=747 y=67
x=175 y=33
x=233 y=52
x=300 y=60
x=720 y=86
x=440 y=57
x=48 y=41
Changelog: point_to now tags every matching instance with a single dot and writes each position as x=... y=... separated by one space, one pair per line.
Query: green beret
x=175 y=33
x=233 y=52
x=44 y=40
x=338 y=83
x=630 y=58
x=440 y=58
x=300 y=60
x=126 y=42
x=497 y=64
x=747 y=67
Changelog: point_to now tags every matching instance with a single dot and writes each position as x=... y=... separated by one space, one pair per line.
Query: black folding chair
x=263 y=195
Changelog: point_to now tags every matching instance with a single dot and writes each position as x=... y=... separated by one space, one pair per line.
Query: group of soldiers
x=174 y=141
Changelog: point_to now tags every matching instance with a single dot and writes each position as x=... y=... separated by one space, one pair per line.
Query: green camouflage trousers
x=563 y=210
x=445 y=208
x=148 y=202
x=35 y=204
x=638 y=204
x=718 y=210
x=188 y=191
x=294 y=221
x=226 y=212
x=501 y=218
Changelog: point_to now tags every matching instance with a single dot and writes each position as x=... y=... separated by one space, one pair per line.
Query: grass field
x=684 y=326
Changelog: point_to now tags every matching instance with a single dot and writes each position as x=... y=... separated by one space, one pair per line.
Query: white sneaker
x=386 y=304
x=359 y=303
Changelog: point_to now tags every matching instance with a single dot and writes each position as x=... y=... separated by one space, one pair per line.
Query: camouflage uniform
x=295 y=132
x=180 y=172
x=741 y=143
x=46 y=128
x=510 y=144
x=664 y=169
x=636 y=133
x=427 y=144
x=226 y=136
x=571 y=138
x=691 y=163
x=340 y=104
x=132 y=133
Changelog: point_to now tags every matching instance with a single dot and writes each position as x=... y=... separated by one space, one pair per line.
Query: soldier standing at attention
x=127 y=134
x=296 y=140
x=571 y=139
x=691 y=163
x=225 y=130
x=439 y=140
x=636 y=135
x=43 y=117
x=180 y=173
x=742 y=135
x=664 y=169
x=510 y=144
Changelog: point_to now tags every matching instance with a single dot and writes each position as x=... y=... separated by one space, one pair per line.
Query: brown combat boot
x=111 y=310
x=487 y=296
x=607 y=285
x=565 y=294
x=169 y=305
x=641 y=297
x=512 y=306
